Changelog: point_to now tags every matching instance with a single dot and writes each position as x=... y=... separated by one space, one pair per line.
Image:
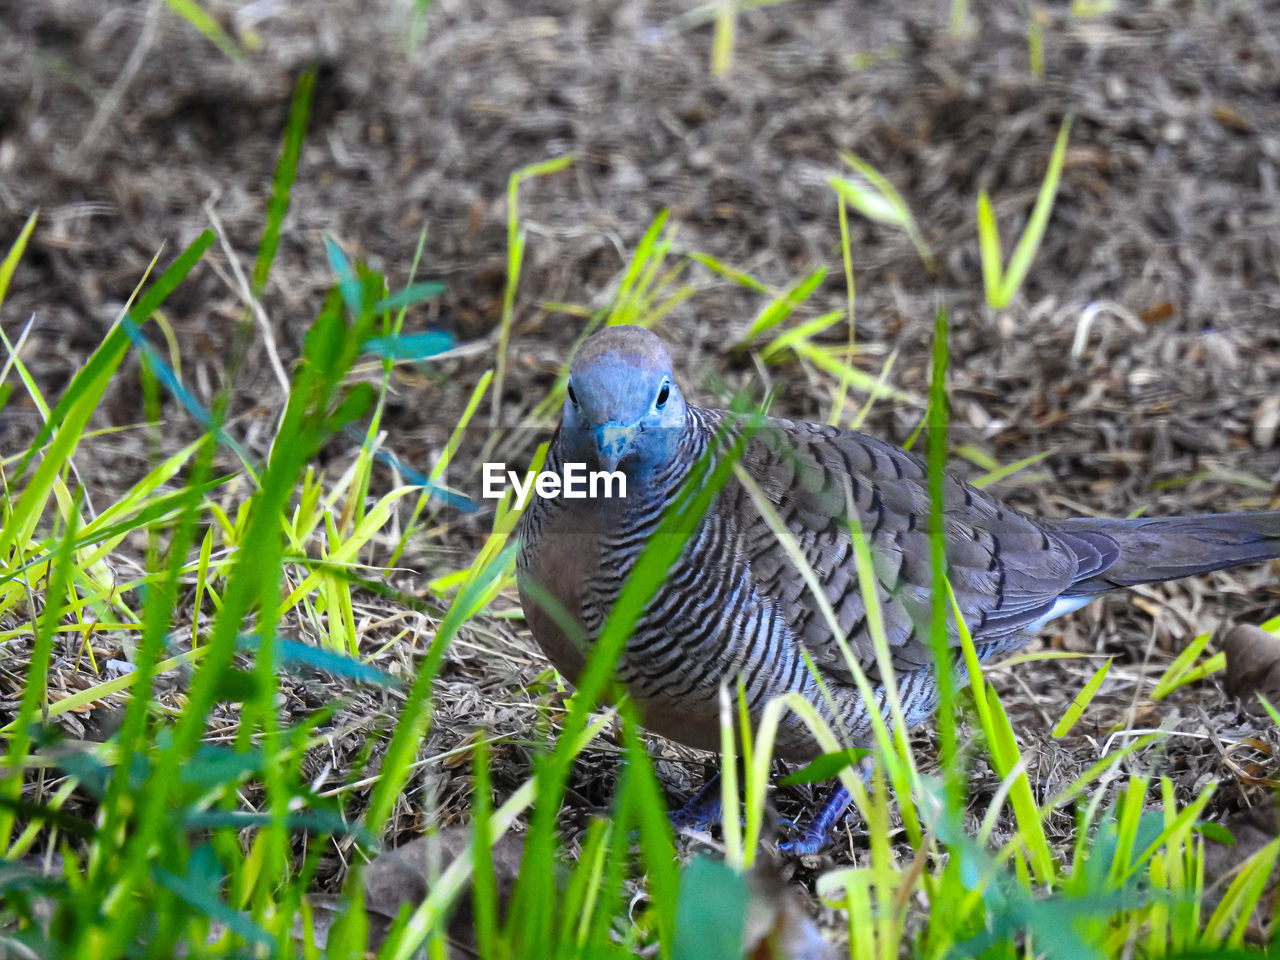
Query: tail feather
x=1150 y=549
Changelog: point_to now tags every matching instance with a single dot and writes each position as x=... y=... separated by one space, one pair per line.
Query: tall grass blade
x=285 y=174
x=722 y=40
x=515 y=259
x=70 y=415
x=198 y=17
x=658 y=853
x=939 y=635
x=10 y=262
x=1029 y=242
x=648 y=255
x=989 y=248
x=1000 y=283
x=484 y=895
x=32 y=705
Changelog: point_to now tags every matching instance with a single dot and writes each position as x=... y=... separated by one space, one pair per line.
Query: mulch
x=1142 y=352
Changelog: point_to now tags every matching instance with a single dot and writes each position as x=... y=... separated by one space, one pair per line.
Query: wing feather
x=1006 y=569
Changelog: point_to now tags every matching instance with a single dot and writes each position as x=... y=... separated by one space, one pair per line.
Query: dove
x=736 y=607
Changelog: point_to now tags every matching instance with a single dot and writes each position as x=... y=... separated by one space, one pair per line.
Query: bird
x=735 y=606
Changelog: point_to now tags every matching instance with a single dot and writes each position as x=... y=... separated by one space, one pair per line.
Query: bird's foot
x=702 y=811
x=817 y=834
x=809 y=845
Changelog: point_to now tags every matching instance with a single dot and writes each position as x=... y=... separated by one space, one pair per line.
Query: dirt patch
x=1143 y=351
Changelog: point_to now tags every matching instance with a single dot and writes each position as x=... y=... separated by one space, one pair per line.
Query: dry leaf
x=778 y=926
x=403 y=875
x=1157 y=313
x=1266 y=422
x=1229 y=117
x=1252 y=829
x=1253 y=663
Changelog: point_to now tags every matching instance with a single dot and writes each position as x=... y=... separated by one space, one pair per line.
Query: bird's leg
x=818 y=833
x=702 y=810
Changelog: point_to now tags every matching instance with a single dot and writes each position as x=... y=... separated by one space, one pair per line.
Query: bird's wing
x=1006 y=570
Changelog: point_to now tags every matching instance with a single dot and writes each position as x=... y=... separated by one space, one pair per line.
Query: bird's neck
x=664 y=480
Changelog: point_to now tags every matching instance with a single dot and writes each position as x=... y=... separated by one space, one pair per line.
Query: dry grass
x=1160 y=260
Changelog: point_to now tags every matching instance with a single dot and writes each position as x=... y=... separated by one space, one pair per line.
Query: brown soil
x=130 y=132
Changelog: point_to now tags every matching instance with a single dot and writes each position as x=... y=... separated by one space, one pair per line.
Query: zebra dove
x=735 y=605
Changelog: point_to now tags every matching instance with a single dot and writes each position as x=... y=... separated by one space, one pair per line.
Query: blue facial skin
x=622 y=412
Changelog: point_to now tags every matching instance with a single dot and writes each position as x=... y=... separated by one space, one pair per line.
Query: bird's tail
x=1121 y=553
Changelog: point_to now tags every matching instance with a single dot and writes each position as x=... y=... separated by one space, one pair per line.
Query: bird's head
x=623 y=409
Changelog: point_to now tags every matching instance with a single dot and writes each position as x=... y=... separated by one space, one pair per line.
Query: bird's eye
x=663 y=393
x=573 y=397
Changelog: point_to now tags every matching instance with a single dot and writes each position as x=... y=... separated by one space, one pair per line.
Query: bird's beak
x=613 y=442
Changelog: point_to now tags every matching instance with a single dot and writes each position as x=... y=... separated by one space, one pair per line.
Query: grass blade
x=285 y=175
x=1081 y=701
x=515 y=258
x=1029 y=242
x=10 y=262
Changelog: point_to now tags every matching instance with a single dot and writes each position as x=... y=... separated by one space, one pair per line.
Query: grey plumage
x=735 y=605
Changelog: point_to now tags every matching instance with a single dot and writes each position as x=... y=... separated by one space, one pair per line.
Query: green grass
x=1002 y=282
x=212 y=850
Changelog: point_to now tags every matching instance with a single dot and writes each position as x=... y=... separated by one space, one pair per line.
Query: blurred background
x=131 y=131
x=1141 y=355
